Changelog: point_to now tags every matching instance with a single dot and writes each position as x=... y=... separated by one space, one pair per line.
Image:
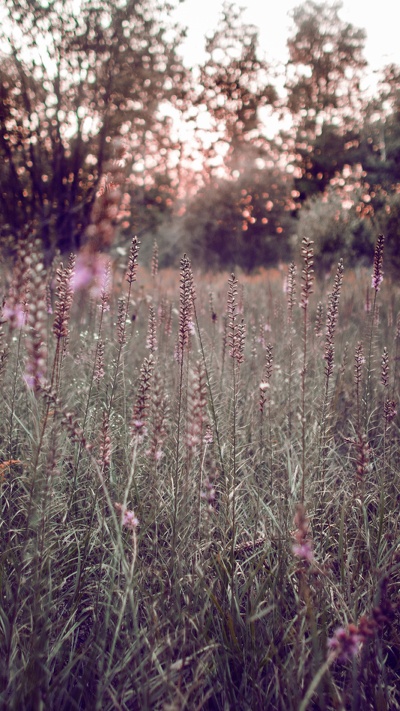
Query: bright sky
x=380 y=19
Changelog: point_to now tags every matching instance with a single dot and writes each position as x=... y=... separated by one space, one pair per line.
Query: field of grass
x=199 y=486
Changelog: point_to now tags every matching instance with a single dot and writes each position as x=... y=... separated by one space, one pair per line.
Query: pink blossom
x=90 y=273
x=128 y=517
x=376 y=281
x=129 y=520
x=303 y=551
x=345 y=643
x=15 y=314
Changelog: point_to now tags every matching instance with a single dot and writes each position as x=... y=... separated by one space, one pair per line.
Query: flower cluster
x=237 y=332
x=290 y=289
x=267 y=373
x=345 y=643
x=64 y=298
x=331 y=320
x=209 y=493
x=186 y=299
x=302 y=548
x=377 y=274
x=307 y=271
x=140 y=410
x=128 y=518
x=151 y=340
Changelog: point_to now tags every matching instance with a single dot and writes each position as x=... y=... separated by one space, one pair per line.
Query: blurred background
x=227 y=133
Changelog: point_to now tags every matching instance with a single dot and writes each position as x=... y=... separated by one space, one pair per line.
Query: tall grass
x=192 y=518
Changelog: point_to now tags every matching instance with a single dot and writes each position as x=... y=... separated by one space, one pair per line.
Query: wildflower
x=99 y=368
x=237 y=332
x=359 y=361
x=151 y=340
x=121 y=321
x=154 y=260
x=15 y=315
x=385 y=368
x=105 y=442
x=64 y=300
x=143 y=398
x=377 y=274
x=209 y=494
x=345 y=643
x=319 y=316
x=90 y=273
x=303 y=551
x=265 y=384
x=362 y=456
x=307 y=272
x=128 y=518
x=303 y=545
x=208 y=436
x=389 y=410
x=186 y=308
x=290 y=290
x=133 y=261
x=331 y=320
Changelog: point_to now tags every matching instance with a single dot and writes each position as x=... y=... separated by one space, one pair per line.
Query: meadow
x=199 y=485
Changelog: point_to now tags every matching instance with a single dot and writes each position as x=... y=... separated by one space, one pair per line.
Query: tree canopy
x=89 y=84
x=73 y=76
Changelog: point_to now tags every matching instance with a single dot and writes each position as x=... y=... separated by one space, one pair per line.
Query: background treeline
x=89 y=84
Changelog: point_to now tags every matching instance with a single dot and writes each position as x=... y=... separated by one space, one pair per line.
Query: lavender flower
x=128 y=518
x=345 y=643
x=303 y=545
x=303 y=551
x=377 y=274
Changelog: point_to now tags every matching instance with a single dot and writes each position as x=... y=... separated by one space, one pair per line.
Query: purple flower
x=91 y=272
x=376 y=281
x=15 y=314
x=303 y=551
x=129 y=520
x=128 y=517
x=345 y=643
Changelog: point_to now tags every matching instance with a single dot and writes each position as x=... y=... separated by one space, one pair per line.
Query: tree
x=244 y=222
x=323 y=93
x=72 y=78
x=380 y=135
x=234 y=85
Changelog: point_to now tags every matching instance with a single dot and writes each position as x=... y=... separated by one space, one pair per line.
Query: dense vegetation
x=201 y=172
x=199 y=487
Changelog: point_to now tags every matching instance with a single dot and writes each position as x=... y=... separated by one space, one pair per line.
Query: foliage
x=335 y=230
x=153 y=552
x=244 y=222
x=69 y=82
x=323 y=84
x=379 y=149
x=319 y=163
x=326 y=54
x=95 y=96
x=234 y=84
x=388 y=220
